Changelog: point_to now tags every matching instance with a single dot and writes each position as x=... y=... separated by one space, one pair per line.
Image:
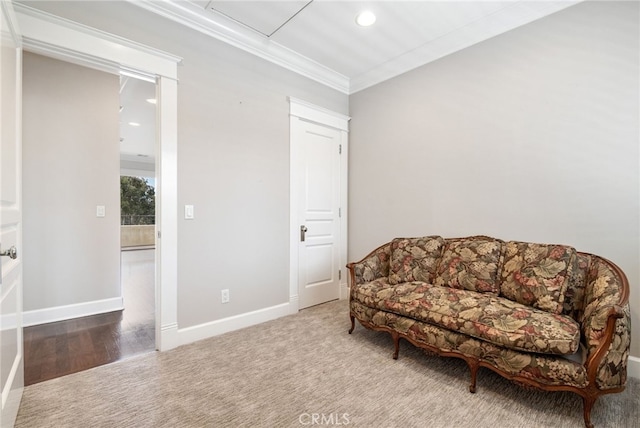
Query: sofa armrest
x=606 y=324
x=373 y=266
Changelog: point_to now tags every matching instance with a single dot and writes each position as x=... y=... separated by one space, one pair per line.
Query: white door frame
x=59 y=38
x=299 y=109
x=11 y=390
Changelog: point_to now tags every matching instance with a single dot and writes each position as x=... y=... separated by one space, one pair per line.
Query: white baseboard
x=61 y=313
x=188 y=335
x=168 y=337
x=633 y=367
x=294 y=304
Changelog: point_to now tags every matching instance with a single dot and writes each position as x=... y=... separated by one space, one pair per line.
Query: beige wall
x=531 y=135
x=70 y=165
x=233 y=161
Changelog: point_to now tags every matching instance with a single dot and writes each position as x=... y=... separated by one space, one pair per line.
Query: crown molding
x=217 y=26
x=516 y=14
x=226 y=30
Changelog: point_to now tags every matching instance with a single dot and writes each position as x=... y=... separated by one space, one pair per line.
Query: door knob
x=303 y=230
x=11 y=252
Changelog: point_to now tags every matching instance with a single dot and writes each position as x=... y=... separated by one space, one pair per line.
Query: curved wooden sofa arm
x=606 y=325
x=373 y=266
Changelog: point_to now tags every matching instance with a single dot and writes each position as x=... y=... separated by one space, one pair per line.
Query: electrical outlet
x=224 y=295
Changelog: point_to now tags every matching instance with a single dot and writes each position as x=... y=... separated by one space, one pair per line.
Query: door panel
x=8 y=333
x=11 y=358
x=320 y=269
x=318 y=258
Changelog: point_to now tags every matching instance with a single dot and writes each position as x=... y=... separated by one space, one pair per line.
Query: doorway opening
x=96 y=49
x=138 y=212
x=65 y=338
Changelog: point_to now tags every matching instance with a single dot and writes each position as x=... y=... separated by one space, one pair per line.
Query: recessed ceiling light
x=365 y=18
x=134 y=124
x=151 y=100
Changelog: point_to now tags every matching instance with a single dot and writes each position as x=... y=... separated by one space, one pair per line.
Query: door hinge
x=339 y=273
x=339 y=149
x=339 y=212
x=159 y=235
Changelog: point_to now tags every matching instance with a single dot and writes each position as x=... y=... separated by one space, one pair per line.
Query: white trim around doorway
x=307 y=111
x=52 y=36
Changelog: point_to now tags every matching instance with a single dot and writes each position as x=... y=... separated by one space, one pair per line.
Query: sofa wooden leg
x=473 y=368
x=353 y=323
x=396 y=344
x=588 y=403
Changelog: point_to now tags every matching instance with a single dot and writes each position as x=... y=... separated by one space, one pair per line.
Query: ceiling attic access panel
x=265 y=20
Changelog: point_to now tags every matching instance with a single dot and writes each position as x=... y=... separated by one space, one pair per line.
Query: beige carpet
x=305 y=370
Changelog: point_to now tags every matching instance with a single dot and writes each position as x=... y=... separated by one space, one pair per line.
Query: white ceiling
x=320 y=39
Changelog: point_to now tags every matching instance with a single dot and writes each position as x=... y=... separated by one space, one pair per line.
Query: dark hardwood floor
x=60 y=348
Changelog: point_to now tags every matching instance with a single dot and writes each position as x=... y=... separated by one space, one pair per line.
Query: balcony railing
x=128 y=220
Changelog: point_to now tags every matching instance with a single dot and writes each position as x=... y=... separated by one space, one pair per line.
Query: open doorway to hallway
x=75 y=262
x=138 y=207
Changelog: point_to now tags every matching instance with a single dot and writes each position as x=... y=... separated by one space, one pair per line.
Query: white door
x=11 y=357
x=319 y=150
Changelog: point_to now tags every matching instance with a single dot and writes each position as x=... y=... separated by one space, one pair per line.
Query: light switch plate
x=100 y=211
x=188 y=212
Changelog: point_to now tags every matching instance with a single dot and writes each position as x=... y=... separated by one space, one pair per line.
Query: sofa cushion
x=370 y=293
x=481 y=315
x=414 y=259
x=470 y=264
x=537 y=274
x=574 y=296
x=543 y=368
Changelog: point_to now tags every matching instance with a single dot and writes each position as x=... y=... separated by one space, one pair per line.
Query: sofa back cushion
x=537 y=274
x=574 y=296
x=470 y=264
x=414 y=259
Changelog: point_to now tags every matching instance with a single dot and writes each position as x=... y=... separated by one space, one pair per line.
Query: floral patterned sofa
x=538 y=314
